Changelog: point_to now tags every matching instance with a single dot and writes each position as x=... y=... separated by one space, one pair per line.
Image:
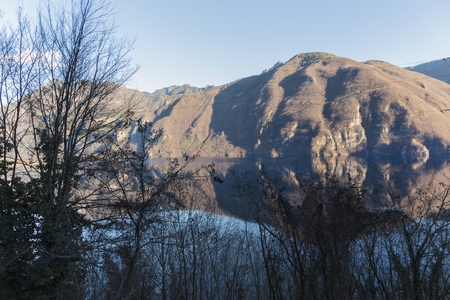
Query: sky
x=214 y=42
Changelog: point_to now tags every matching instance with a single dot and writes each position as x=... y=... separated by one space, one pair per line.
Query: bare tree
x=18 y=219
x=57 y=80
x=411 y=260
x=139 y=196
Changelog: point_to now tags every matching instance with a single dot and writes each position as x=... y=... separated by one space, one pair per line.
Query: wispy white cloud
x=30 y=56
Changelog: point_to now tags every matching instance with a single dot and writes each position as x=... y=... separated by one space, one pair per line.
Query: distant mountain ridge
x=153 y=101
x=179 y=90
x=439 y=69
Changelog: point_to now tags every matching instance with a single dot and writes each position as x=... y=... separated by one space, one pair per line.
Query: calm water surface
x=240 y=176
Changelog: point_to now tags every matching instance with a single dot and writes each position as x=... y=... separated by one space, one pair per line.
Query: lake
x=377 y=173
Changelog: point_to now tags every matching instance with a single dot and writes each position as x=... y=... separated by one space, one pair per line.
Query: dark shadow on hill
x=234 y=111
x=164 y=111
x=292 y=83
x=335 y=88
x=371 y=120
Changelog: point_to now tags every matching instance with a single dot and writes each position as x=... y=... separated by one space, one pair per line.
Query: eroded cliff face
x=316 y=104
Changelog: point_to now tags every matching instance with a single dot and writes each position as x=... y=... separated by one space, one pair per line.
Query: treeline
x=332 y=246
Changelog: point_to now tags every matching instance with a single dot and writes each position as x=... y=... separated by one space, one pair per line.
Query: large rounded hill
x=316 y=104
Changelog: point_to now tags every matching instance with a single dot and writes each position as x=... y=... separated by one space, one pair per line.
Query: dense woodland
x=82 y=224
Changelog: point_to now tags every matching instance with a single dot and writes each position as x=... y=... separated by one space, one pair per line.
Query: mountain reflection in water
x=376 y=173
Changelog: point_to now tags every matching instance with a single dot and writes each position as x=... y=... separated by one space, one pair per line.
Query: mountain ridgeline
x=315 y=104
x=152 y=101
x=439 y=69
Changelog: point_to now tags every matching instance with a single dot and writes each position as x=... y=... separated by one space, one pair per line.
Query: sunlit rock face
x=315 y=104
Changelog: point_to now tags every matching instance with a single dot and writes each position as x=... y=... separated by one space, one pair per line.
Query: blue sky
x=203 y=42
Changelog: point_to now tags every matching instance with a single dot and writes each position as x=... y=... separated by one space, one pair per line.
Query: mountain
x=439 y=69
x=319 y=111
x=315 y=104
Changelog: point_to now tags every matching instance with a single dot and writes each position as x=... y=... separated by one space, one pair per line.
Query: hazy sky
x=203 y=42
